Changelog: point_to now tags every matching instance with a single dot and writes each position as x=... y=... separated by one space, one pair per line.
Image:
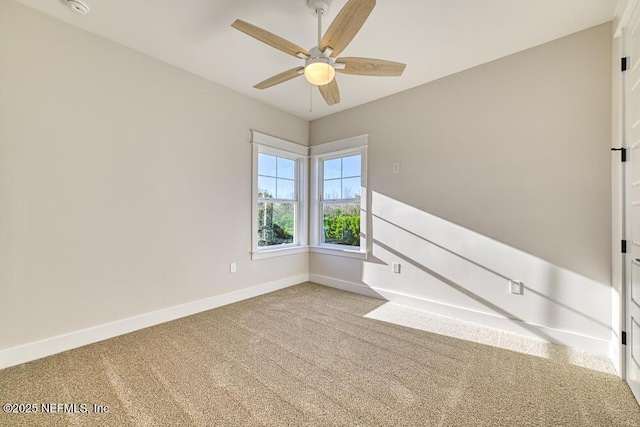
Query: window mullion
x=340 y=201
x=268 y=200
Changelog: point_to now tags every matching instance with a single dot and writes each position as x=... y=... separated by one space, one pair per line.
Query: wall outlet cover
x=516 y=287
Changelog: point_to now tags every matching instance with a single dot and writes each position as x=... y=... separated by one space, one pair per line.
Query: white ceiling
x=434 y=38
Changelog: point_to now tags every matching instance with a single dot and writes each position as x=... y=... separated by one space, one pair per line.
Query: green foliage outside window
x=275 y=223
x=341 y=224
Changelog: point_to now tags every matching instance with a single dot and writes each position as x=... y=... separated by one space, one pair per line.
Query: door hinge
x=623 y=64
x=623 y=153
x=624 y=247
x=624 y=338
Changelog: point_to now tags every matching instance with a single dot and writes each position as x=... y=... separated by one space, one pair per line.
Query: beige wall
x=123 y=185
x=123 y=182
x=516 y=152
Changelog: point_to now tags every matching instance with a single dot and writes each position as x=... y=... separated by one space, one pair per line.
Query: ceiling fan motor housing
x=315 y=5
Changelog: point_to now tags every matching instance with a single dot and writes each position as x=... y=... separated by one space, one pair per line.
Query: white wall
x=505 y=174
x=123 y=182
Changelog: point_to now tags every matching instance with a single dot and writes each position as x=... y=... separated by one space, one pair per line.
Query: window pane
x=341 y=224
x=286 y=189
x=266 y=165
x=286 y=168
x=332 y=169
x=275 y=223
x=332 y=189
x=266 y=187
x=351 y=188
x=351 y=165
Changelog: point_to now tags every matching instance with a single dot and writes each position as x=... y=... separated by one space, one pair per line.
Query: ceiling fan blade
x=330 y=92
x=280 y=78
x=370 y=67
x=346 y=25
x=269 y=38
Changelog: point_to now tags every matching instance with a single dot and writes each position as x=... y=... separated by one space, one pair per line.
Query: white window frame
x=320 y=153
x=267 y=144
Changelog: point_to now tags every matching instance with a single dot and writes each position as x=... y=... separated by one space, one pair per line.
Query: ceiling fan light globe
x=319 y=73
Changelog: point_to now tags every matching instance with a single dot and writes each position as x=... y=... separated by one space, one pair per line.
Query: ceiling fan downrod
x=319 y=8
x=319 y=12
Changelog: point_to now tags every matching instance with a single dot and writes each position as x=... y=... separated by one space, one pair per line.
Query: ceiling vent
x=78 y=6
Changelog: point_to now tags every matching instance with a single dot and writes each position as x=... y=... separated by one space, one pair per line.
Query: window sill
x=348 y=253
x=276 y=252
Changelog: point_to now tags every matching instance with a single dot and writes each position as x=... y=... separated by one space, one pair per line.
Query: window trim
x=267 y=144
x=328 y=151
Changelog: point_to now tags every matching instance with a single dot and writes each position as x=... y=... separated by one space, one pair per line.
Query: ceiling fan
x=322 y=61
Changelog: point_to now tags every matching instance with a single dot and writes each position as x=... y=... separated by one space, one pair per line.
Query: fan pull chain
x=311 y=98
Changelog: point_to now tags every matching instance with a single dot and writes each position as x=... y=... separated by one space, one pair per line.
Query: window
x=276 y=200
x=279 y=195
x=338 y=214
x=340 y=204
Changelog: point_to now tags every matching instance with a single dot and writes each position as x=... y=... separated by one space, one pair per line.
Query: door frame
x=620 y=222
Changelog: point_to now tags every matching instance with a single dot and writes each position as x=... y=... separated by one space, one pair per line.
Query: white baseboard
x=356 y=288
x=615 y=355
x=47 y=347
x=556 y=336
x=544 y=333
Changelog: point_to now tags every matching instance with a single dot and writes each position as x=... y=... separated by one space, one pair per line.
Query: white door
x=632 y=200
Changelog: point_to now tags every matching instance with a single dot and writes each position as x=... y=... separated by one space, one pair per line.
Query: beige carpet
x=307 y=355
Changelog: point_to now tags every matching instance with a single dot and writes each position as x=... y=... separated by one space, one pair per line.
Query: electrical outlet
x=233 y=267
x=396 y=267
x=396 y=167
x=516 y=287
